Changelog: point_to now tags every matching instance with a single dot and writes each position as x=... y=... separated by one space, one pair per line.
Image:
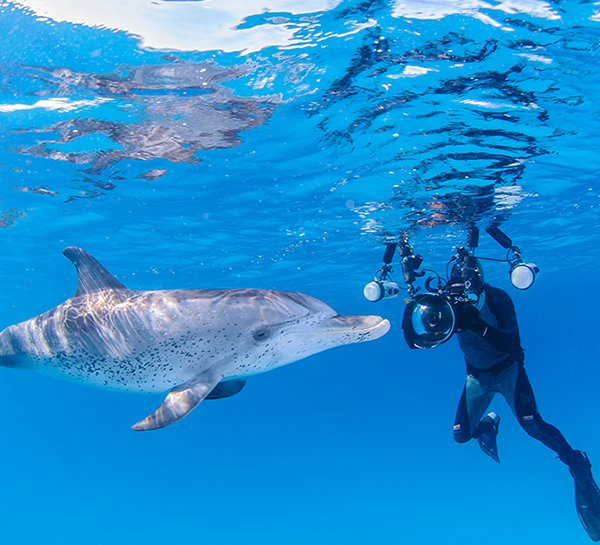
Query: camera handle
x=410 y=263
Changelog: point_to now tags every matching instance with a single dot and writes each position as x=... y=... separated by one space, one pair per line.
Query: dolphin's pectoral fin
x=180 y=401
x=227 y=388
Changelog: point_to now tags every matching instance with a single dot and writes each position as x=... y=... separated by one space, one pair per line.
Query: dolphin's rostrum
x=199 y=343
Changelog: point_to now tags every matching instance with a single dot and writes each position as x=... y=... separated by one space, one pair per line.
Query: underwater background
x=280 y=144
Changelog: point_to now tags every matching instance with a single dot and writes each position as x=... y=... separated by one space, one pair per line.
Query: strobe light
x=381 y=289
x=523 y=275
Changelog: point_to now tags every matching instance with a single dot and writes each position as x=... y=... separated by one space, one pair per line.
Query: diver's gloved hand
x=465 y=314
x=467 y=317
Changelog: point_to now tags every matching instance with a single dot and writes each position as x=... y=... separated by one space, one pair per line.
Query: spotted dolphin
x=197 y=343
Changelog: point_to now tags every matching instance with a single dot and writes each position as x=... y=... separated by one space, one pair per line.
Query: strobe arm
x=389 y=252
x=500 y=237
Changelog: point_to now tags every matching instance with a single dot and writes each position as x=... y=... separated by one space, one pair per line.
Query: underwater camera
x=432 y=317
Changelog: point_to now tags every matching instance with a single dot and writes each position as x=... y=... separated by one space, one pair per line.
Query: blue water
x=198 y=145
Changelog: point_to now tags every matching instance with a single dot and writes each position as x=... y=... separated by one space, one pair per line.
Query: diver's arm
x=504 y=338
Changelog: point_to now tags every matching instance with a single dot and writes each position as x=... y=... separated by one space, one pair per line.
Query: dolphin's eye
x=260 y=334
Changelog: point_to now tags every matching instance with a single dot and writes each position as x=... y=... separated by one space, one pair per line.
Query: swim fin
x=587 y=494
x=486 y=433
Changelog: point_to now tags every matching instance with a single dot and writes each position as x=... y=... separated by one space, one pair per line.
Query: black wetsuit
x=495 y=359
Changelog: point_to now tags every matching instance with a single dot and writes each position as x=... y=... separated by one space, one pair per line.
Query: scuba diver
x=484 y=320
x=489 y=339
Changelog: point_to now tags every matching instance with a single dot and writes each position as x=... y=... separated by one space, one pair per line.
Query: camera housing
x=429 y=320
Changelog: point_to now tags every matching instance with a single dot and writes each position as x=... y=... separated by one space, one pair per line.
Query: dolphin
x=197 y=343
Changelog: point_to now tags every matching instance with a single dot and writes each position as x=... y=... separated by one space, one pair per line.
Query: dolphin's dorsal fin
x=92 y=276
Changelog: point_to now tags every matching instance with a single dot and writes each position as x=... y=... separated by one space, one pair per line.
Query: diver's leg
x=526 y=411
x=462 y=427
x=587 y=494
x=475 y=399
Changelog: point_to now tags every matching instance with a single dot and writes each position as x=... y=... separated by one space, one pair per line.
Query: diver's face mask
x=467 y=282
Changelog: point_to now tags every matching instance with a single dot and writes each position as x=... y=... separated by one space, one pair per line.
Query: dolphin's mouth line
x=342 y=329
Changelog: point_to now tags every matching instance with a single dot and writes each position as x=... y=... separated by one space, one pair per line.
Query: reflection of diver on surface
x=484 y=320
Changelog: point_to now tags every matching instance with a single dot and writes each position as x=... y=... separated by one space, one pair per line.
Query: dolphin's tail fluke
x=180 y=401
